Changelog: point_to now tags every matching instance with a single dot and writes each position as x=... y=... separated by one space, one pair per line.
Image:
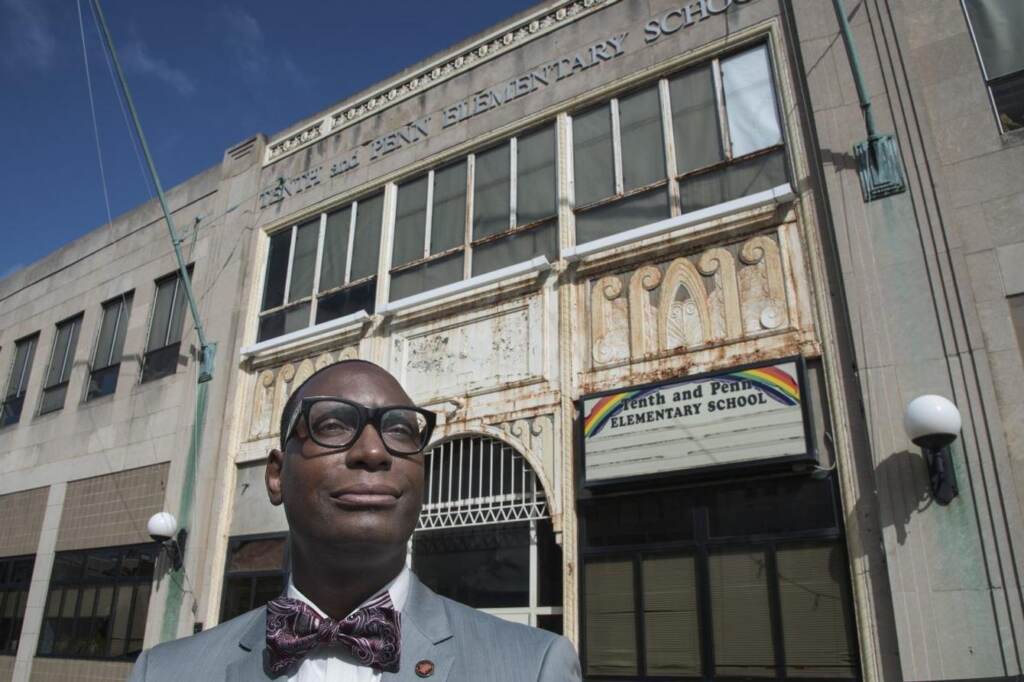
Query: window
x=1017 y=315
x=994 y=25
x=488 y=211
x=257 y=571
x=726 y=142
x=17 y=383
x=62 y=358
x=106 y=360
x=322 y=269
x=161 y=358
x=15 y=578
x=738 y=580
x=98 y=602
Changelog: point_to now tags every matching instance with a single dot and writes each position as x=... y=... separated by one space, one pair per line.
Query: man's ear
x=275 y=464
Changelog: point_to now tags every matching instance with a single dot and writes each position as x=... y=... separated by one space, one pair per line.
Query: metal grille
x=477 y=480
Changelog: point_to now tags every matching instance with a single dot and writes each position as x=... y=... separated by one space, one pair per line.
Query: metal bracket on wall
x=879 y=167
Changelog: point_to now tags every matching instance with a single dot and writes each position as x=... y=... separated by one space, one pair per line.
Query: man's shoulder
x=486 y=627
x=227 y=633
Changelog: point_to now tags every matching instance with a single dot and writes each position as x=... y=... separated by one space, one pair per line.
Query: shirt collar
x=398 y=590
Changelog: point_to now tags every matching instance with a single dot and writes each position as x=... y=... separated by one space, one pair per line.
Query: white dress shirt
x=334 y=662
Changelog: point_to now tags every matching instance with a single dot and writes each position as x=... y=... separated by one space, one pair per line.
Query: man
x=350 y=476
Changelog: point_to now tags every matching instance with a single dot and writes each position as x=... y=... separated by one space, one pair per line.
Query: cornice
x=455 y=62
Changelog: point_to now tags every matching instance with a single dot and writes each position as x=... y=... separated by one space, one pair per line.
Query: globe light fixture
x=162 y=527
x=933 y=423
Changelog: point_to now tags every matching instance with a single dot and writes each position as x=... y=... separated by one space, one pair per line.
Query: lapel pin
x=425 y=668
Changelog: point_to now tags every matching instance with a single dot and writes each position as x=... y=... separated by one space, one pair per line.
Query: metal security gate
x=484 y=535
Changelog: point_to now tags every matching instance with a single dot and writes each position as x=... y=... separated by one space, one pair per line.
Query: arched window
x=484 y=536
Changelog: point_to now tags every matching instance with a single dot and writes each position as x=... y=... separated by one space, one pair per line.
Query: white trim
x=537 y=264
x=353 y=212
x=308 y=334
x=776 y=195
x=613 y=106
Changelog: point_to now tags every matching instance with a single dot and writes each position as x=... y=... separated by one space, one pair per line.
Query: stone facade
x=883 y=300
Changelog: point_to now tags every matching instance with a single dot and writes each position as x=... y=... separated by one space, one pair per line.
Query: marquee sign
x=742 y=415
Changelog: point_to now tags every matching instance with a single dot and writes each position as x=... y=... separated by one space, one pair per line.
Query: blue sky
x=204 y=75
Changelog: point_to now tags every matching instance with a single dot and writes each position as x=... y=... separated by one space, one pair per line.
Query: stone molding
x=492 y=45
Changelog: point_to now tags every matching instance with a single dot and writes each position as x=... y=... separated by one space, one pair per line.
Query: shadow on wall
x=902 y=477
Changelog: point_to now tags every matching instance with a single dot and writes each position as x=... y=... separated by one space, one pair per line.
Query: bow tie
x=372 y=633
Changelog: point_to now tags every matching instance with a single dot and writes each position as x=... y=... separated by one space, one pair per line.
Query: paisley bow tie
x=372 y=633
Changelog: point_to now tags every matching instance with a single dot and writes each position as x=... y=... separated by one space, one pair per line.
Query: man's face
x=361 y=497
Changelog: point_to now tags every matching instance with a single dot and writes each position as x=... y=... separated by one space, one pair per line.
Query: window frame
x=251 y=576
x=989 y=81
x=81 y=583
x=701 y=546
x=316 y=293
x=10 y=587
x=156 y=374
x=67 y=364
x=674 y=179
x=470 y=243
x=124 y=304
x=18 y=397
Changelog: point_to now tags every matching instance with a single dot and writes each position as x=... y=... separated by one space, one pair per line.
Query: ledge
x=535 y=265
x=769 y=197
x=308 y=335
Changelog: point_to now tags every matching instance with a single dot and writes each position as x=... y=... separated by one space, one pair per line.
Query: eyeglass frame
x=367 y=415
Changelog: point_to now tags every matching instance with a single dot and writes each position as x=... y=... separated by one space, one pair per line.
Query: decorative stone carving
x=722 y=295
x=272 y=386
x=537 y=436
x=393 y=93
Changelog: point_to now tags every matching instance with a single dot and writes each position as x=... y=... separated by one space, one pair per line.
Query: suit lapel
x=426 y=636
x=253 y=643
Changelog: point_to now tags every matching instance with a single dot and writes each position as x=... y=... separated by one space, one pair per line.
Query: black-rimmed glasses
x=338 y=423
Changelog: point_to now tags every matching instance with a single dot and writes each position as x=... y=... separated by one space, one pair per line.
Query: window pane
x=122 y=329
x=425 y=277
x=332 y=268
x=366 y=247
x=347 y=301
x=101 y=358
x=549 y=565
x=448 y=219
x=639 y=519
x=733 y=181
x=161 y=313
x=814 y=598
x=643 y=145
x=53 y=398
x=138 y=630
x=780 y=505
x=304 y=260
x=1008 y=95
x=625 y=214
x=266 y=588
x=516 y=248
x=750 y=102
x=610 y=623
x=741 y=622
x=68 y=358
x=266 y=554
x=695 y=119
x=237 y=597
x=671 y=627
x=483 y=567
x=491 y=192
x=592 y=155
x=60 y=347
x=410 y=222
x=122 y=611
x=535 y=176
x=26 y=351
x=277 y=269
x=996 y=25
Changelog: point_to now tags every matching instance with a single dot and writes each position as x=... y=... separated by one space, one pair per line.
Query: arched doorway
x=484 y=536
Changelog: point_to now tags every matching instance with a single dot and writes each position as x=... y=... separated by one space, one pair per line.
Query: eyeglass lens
x=337 y=424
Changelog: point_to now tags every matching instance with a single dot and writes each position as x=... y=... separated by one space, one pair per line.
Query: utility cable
x=92 y=109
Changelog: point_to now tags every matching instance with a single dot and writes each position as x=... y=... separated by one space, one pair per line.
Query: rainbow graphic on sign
x=776 y=383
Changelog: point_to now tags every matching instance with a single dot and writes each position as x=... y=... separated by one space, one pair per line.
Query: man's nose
x=368 y=452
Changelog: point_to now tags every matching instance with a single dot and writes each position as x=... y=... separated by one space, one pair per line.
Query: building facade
x=621 y=247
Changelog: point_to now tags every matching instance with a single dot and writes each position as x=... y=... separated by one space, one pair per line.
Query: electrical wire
x=92 y=109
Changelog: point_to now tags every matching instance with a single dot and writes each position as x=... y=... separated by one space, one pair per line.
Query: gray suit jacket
x=464 y=644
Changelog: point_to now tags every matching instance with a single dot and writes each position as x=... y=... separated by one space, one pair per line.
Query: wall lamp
x=162 y=527
x=933 y=423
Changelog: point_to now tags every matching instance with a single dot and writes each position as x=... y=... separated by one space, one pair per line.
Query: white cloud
x=137 y=58
x=28 y=38
x=247 y=42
